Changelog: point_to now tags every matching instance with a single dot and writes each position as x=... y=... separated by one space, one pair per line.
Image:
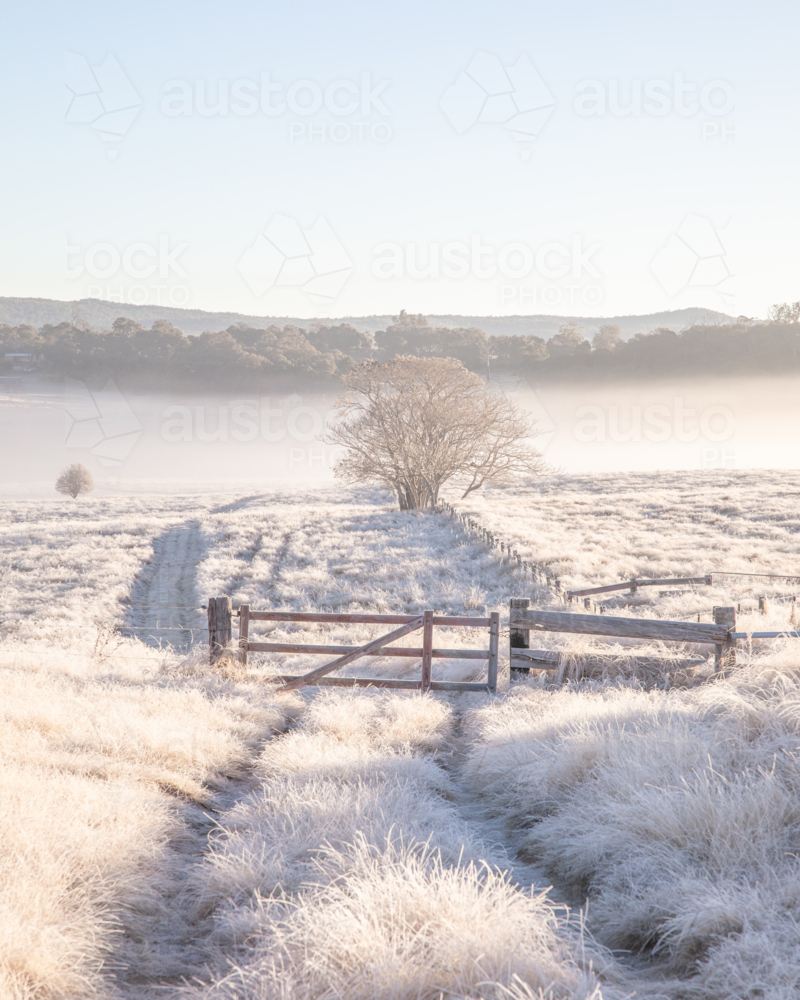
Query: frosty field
x=176 y=830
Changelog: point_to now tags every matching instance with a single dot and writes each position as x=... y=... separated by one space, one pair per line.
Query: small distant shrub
x=74 y=480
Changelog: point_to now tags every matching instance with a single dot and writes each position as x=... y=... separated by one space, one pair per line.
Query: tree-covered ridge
x=244 y=356
x=743 y=347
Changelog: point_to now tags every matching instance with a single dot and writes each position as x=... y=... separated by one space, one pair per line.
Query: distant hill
x=100 y=315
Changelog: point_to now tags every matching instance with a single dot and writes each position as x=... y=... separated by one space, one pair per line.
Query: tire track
x=163 y=607
x=176 y=943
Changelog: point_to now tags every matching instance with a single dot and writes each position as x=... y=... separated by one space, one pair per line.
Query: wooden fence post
x=517 y=637
x=494 y=650
x=427 y=647
x=219 y=626
x=244 y=631
x=763 y=605
x=725 y=652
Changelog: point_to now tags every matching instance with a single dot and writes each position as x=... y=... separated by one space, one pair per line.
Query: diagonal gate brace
x=371 y=647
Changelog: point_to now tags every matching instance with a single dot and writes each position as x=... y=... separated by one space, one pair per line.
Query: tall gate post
x=219 y=626
x=494 y=650
x=427 y=649
x=725 y=652
x=244 y=632
x=518 y=638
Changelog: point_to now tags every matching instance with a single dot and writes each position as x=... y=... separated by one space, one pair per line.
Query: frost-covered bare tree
x=74 y=480
x=414 y=424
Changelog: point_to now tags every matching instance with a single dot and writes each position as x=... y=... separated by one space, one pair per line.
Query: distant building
x=20 y=362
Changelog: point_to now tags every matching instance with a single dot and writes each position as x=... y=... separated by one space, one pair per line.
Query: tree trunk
x=406 y=497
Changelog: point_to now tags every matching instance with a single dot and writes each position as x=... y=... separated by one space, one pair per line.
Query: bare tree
x=74 y=480
x=414 y=424
x=785 y=312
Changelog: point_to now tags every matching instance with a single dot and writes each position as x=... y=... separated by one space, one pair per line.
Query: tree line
x=743 y=346
x=239 y=357
x=248 y=357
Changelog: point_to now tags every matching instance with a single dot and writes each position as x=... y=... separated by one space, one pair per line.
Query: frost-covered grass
x=593 y=530
x=350 y=874
x=112 y=755
x=677 y=814
x=361 y=853
x=69 y=562
x=108 y=769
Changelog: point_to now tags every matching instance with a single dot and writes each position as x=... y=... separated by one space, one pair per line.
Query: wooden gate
x=220 y=638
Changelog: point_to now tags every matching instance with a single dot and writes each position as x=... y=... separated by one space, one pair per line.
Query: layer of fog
x=140 y=442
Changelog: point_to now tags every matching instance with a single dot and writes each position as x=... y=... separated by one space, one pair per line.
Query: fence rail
x=630 y=628
x=325 y=616
x=523 y=620
x=633 y=585
x=788 y=633
x=410 y=651
x=221 y=643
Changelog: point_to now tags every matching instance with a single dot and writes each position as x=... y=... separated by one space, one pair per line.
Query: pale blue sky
x=620 y=185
